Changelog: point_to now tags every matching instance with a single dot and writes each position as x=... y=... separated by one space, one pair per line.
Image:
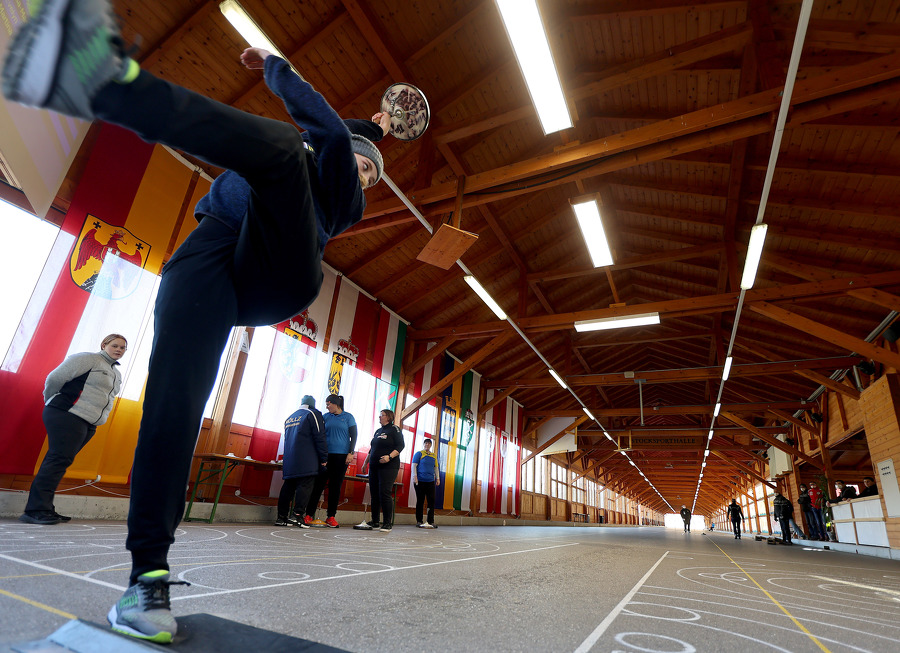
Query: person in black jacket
x=871 y=490
x=686 y=518
x=844 y=492
x=736 y=515
x=784 y=511
x=305 y=454
x=384 y=463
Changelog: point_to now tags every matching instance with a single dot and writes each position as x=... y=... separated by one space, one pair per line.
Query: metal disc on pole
x=408 y=109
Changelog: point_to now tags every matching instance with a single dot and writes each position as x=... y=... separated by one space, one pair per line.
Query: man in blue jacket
x=253 y=260
x=305 y=454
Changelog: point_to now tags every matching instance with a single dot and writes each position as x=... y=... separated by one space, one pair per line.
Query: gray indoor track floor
x=470 y=588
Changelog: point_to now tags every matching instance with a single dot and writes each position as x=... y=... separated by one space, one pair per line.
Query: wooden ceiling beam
x=707 y=303
x=556 y=438
x=665 y=256
x=684 y=375
x=158 y=50
x=459 y=371
x=703 y=333
x=612 y=10
x=321 y=33
x=830 y=383
x=759 y=104
x=730 y=39
x=763 y=435
x=827 y=333
x=700 y=409
x=793 y=420
x=745 y=469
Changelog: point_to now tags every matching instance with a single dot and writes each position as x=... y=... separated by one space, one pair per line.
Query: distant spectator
x=686 y=518
x=813 y=516
x=817 y=502
x=844 y=492
x=871 y=490
x=736 y=515
x=784 y=511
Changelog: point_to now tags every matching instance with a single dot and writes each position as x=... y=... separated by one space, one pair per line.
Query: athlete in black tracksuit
x=253 y=260
x=686 y=518
x=384 y=463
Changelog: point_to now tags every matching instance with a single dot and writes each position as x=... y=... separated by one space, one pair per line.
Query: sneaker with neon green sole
x=143 y=611
x=64 y=55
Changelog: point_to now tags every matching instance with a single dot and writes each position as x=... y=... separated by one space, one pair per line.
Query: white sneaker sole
x=113 y=615
x=32 y=83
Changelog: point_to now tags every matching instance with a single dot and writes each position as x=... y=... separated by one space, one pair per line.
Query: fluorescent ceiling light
x=704 y=464
x=754 y=253
x=727 y=369
x=529 y=40
x=710 y=434
x=485 y=297
x=617 y=322
x=251 y=32
x=588 y=413
x=717 y=409
x=558 y=379
x=588 y=216
x=246 y=26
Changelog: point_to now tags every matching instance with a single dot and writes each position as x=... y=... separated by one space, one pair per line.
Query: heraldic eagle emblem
x=107 y=260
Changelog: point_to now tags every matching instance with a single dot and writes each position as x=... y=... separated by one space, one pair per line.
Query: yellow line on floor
x=36 y=604
x=774 y=600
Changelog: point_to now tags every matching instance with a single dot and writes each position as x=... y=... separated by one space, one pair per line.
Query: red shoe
x=331 y=522
x=307 y=520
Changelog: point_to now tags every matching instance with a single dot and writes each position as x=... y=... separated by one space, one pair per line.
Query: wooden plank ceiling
x=674 y=105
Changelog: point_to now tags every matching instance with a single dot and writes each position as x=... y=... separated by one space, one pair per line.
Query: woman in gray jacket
x=78 y=396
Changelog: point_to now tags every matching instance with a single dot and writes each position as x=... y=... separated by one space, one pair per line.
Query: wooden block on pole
x=446 y=245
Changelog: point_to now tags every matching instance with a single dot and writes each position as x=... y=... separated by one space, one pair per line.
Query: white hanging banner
x=887 y=485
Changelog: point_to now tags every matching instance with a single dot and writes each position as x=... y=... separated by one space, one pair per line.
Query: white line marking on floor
x=365 y=573
x=63 y=573
x=868 y=587
x=588 y=643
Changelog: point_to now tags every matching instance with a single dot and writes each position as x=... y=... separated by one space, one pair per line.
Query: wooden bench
x=580 y=517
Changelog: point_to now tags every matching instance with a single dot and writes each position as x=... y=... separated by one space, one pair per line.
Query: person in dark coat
x=305 y=453
x=384 y=464
x=686 y=518
x=736 y=515
x=871 y=490
x=844 y=492
x=784 y=511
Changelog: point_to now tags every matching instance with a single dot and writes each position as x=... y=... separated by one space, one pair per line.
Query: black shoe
x=45 y=518
x=375 y=525
x=283 y=521
x=61 y=517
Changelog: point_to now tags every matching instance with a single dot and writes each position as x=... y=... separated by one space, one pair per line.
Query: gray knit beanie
x=308 y=401
x=366 y=148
